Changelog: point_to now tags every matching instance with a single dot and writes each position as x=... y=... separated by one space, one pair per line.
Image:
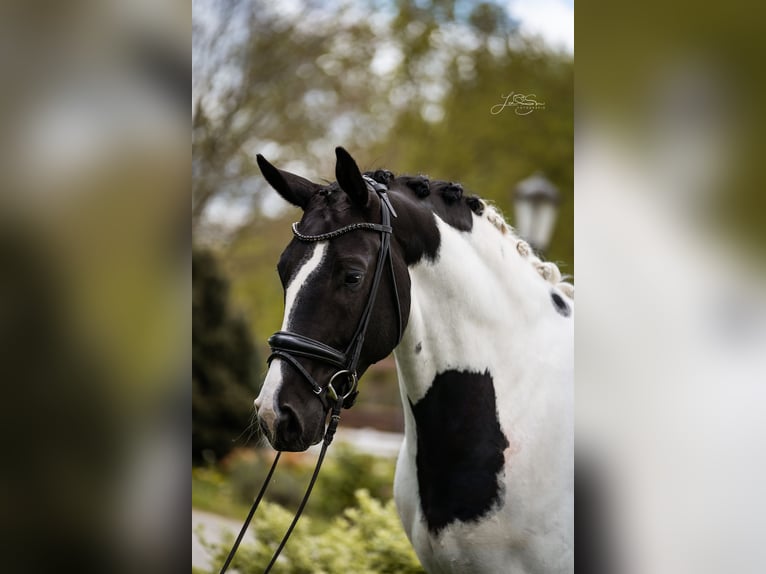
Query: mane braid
x=548 y=270
x=453 y=195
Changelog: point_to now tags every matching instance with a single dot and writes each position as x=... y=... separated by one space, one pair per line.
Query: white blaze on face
x=265 y=404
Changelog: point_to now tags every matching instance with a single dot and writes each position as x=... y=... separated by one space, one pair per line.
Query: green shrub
x=345 y=471
x=365 y=539
x=211 y=491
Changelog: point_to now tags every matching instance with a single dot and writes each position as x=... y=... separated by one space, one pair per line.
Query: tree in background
x=283 y=85
x=223 y=364
x=293 y=83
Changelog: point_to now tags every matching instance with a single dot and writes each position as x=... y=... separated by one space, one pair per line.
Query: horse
x=482 y=333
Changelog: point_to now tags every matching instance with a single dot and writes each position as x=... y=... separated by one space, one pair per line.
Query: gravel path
x=215 y=527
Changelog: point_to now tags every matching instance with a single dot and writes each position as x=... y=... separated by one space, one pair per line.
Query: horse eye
x=354 y=277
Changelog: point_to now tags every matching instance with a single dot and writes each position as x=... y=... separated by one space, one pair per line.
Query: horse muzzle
x=289 y=415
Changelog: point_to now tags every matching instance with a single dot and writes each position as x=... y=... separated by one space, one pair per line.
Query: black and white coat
x=484 y=480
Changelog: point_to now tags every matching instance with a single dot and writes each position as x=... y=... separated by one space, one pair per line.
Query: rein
x=288 y=346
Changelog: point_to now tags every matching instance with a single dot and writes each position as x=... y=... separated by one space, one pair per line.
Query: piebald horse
x=482 y=331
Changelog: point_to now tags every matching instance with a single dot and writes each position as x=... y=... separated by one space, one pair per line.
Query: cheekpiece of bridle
x=341 y=390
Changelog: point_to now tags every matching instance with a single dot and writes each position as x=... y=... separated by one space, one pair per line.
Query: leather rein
x=288 y=347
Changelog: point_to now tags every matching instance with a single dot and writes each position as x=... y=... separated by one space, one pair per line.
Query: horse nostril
x=289 y=425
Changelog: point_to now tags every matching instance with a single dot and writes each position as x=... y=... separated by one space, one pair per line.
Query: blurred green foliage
x=229 y=488
x=212 y=492
x=490 y=153
x=366 y=539
x=223 y=358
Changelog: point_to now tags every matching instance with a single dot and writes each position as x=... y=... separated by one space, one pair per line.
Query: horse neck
x=481 y=288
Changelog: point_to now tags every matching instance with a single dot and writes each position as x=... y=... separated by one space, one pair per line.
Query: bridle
x=289 y=347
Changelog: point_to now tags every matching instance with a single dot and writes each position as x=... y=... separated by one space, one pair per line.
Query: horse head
x=346 y=295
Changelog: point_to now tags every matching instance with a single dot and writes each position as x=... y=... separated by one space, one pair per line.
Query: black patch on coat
x=560 y=305
x=416 y=200
x=447 y=202
x=419 y=347
x=459 y=449
x=415 y=229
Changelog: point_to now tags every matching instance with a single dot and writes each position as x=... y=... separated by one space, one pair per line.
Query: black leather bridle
x=289 y=347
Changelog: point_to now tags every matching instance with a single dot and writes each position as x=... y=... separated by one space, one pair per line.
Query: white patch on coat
x=482 y=306
x=266 y=404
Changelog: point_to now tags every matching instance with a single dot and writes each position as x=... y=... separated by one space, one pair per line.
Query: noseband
x=289 y=346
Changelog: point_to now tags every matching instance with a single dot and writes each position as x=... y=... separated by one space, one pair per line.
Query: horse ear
x=350 y=178
x=293 y=188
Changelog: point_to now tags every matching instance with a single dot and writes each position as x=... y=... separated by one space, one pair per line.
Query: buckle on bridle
x=333 y=394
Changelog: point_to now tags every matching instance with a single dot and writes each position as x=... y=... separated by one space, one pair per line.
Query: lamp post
x=536 y=203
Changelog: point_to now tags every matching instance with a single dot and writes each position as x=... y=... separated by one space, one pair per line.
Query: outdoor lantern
x=536 y=202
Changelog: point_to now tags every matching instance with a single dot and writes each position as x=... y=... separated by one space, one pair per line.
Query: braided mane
x=453 y=196
x=548 y=270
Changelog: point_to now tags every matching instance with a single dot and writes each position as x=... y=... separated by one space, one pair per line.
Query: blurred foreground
x=94 y=247
x=671 y=327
